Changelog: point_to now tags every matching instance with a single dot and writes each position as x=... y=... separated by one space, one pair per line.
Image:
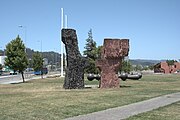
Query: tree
x=99 y=50
x=138 y=68
x=151 y=67
x=1 y=52
x=170 y=62
x=16 y=56
x=90 y=53
x=90 y=48
x=1 y=67
x=126 y=66
x=37 y=61
x=30 y=63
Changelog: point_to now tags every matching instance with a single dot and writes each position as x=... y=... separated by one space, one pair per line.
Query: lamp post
x=25 y=32
x=62 y=46
x=41 y=49
x=40 y=41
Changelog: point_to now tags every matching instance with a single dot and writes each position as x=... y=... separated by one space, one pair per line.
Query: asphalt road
x=6 y=79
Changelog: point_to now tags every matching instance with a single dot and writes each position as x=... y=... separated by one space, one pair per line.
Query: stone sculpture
x=74 y=77
x=113 y=51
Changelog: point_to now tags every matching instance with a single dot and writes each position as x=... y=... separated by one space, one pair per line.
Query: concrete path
x=130 y=110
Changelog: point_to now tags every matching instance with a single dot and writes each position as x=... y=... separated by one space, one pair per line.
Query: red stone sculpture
x=113 y=51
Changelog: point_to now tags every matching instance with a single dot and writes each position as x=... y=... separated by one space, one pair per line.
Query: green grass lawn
x=45 y=99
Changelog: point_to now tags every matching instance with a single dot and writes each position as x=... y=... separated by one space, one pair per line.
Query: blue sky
x=152 y=26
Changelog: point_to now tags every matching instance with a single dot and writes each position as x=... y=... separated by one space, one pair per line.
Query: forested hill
x=53 y=57
x=144 y=62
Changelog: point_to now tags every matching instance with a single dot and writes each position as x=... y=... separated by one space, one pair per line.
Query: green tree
x=1 y=52
x=151 y=67
x=138 y=68
x=30 y=63
x=126 y=66
x=91 y=53
x=145 y=68
x=37 y=61
x=170 y=62
x=90 y=48
x=99 y=50
x=16 y=56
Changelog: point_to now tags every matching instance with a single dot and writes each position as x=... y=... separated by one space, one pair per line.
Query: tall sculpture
x=74 y=77
x=113 y=51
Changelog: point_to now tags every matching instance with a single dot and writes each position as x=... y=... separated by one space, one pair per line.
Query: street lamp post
x=62 y=46
x=25 y=33
x=40 y=41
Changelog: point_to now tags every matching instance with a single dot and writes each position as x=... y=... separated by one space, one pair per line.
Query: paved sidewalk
x=130 y=110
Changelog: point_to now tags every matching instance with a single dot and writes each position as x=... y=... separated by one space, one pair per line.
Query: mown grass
x=46 y=99
x=170 y=112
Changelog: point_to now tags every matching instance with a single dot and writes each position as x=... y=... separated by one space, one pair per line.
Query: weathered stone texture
x=74 y=77
x=114 y=50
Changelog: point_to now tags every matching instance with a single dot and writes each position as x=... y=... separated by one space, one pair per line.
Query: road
x=7 y=79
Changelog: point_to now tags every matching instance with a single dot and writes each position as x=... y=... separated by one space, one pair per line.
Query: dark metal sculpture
x=91 y=77
x=74 y=77
x=123 y=76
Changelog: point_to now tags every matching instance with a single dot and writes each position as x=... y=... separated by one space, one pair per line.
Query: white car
x=13 y=73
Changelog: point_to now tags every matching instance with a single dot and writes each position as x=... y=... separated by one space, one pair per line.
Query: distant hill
x=53 y=57
x=144 y=62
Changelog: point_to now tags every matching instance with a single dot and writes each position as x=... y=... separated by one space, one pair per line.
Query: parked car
x=29 y=69
x=37 y=72
x=44 y=71
x=12 y=72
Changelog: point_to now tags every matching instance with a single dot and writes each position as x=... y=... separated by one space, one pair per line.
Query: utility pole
x=61 y=43
x=25 y=33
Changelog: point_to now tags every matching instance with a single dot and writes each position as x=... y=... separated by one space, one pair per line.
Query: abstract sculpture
x=113 y=51
x=74 y=77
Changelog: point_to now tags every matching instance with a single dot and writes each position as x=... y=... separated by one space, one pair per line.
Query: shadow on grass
x=18 y=83
x=124 y=86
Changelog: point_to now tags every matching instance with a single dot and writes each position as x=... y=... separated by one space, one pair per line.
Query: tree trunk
x=41 y=75
x=22 y=73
